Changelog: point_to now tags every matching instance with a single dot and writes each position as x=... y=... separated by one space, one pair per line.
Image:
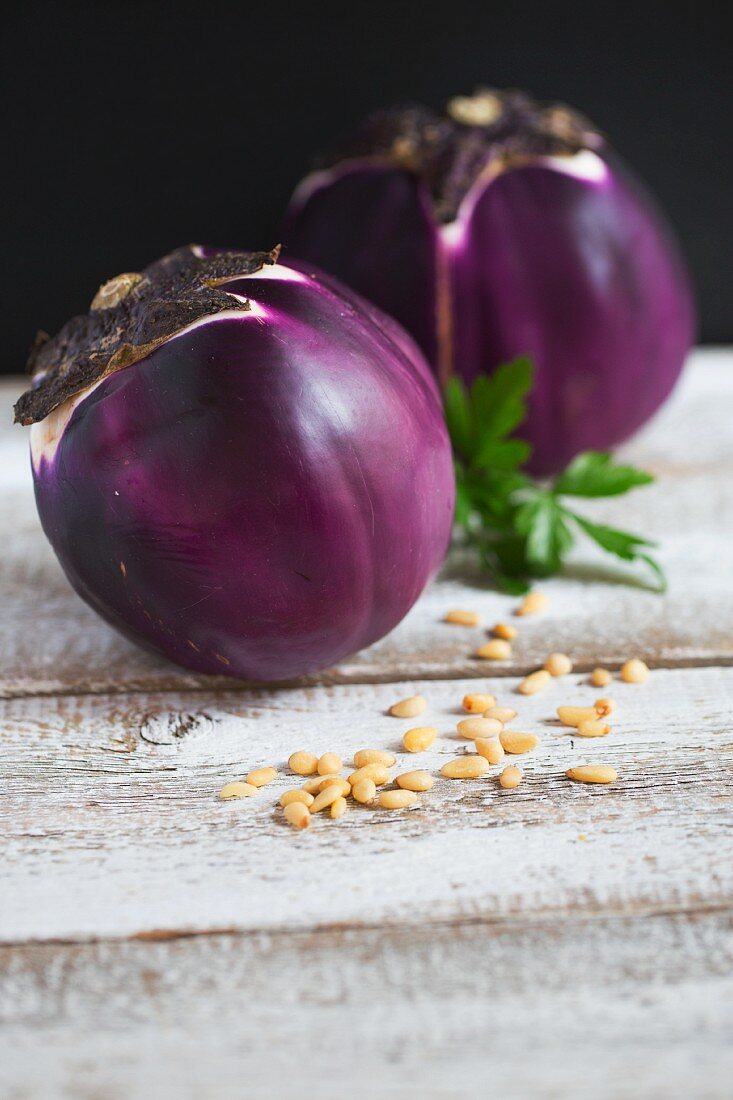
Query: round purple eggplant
x=504 y=228
x=240 y=464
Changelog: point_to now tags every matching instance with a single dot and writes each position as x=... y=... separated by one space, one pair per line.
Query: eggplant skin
x=264 y=494
x=564 y=258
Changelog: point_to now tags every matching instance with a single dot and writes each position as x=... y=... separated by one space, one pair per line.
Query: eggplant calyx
x=130 y=316
x=450 y=151
x=114 y=290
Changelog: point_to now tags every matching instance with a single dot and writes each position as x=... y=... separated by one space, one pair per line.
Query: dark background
x=131 y=128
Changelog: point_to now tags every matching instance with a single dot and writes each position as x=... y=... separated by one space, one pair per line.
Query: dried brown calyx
x=129 y=317
x=450 y=151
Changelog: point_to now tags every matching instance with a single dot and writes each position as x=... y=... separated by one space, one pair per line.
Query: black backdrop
x=130 y=128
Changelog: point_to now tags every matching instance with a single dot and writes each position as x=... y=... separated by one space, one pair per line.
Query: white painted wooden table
x=555 y=941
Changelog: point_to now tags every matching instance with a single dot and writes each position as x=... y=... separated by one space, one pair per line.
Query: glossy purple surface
x=579 y=273
x=265 y=493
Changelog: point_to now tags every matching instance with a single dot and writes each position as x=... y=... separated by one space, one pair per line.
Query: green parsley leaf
x=548 y=538
x=623 y=544
x=498 y=399
x=518 y=527
x=458 y=417
x=595 y=474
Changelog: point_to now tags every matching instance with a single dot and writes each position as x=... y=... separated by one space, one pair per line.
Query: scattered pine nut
x=479 y=727
x=495 y=650
x=376 y=772
x=317 y=782
x=373 y=756
x=329 y=763
x=505 y=631
x=573 y=716
x=502 y=714
x=365 y=790
x=600 y=677
x=532 y=603
x=604 y=707
x=592 y=773
x=419 y=738
x=593 y=728
x=463 y=618
x=415 y=781
x=326 y=798
x=338 y=808
x=237 y=790
x=490 y=748
x=408 y=708
x=533 y=683
x=303 y=763
x=398 y=800
x=511 y=777
x=518 y=743
x=260 y=777
x=297 y=815
x=477 y=702
x=334 y=781
x=465 y=767
x=634 y=671
x=558 y=664
x=296 y=796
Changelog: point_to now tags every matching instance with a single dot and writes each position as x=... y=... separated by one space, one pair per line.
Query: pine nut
x=593 y=728
x=297 y=815
x=338 y=808
x=495 y=650
x=532 y=603
x=558 y=664
x=317 y=783
x=398 y=800
x=490 y=748
x=604 y=707
x=472 y=728
x=296 y=796
x=533 y=683
x=463 y=618
x=502 y=714
x=334 y=781
x=465 y=767
x=592 y=773
x=518 y=743
x=415 y=781
x=237 y=790
x=365 y=790
x=329 y=763
x=511 y=777
x=408 y=708
x=600 y=677
x=419 y=738
x=377 y=772
x=303 y=763
x=326 y=798
x=634 y=671
x=505 y=631
x=260 y=777
x=373 y=756
x=477 y=702
x=573 y=716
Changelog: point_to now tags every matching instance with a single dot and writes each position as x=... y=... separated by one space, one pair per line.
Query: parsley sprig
x=522 y=528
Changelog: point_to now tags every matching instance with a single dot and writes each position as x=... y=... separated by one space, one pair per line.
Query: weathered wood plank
x=636 y=1008
x=51 y=643
x=105 y=833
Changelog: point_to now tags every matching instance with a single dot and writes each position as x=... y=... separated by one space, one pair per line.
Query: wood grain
x=111 y=826
x=51 y=643
x=621 y=1009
